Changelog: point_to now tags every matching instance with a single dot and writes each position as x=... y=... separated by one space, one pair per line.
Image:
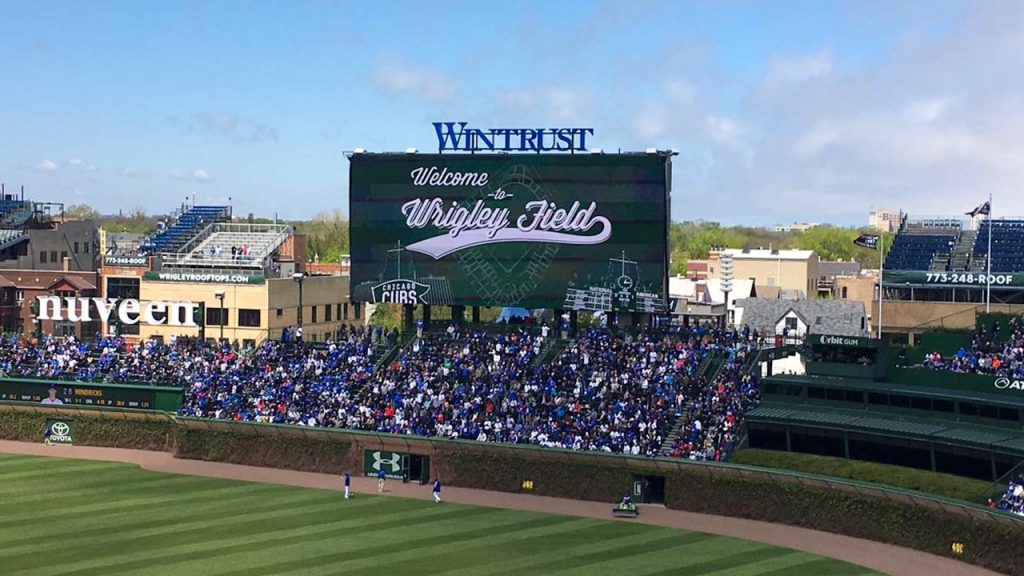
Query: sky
x=780 y=111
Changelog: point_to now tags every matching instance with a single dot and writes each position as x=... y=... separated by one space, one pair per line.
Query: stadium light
x=411 y=150
x=651 y=150
x=359 y=151
x=220 y=296
x=298 y=276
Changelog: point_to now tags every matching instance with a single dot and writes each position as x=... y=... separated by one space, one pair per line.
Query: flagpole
x=988 y=274
x=881 y=265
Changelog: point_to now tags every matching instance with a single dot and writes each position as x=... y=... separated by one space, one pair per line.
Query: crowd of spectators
x=601 y=391
x=104 y=360
x=988 y=353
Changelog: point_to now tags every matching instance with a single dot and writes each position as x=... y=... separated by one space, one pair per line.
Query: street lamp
x=298 y=276
x=220 y=296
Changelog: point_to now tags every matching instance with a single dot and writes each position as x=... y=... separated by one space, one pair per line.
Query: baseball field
x=81 y=517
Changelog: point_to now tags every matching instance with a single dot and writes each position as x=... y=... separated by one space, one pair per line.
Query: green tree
x=327 y=235
x=81 y=212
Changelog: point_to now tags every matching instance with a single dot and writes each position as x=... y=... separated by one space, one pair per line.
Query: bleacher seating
x=9 y=236
x=187 y=226
x=1007 y=245
x=216 y=250
x=915 y=249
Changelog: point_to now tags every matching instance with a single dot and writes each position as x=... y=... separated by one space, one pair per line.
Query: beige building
x=254 y=312
x=887 y=221
x=793 y=272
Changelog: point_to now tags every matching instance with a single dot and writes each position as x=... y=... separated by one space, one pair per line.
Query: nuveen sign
x=126 y=310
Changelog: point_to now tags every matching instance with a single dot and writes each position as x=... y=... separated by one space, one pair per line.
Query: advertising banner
x=60 y=431
x=391 y=463
x=574 y=232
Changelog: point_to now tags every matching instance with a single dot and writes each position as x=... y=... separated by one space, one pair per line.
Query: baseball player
x=437 y=490
x=348 y=485
x=381 y=477
x=46 y=436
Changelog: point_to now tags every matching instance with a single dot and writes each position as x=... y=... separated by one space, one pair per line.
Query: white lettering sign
x=466 y=226
x=127 y=310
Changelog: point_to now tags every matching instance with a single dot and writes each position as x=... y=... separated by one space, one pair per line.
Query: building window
x=248 y=318
x=76 y=247
x=356 y=310
x=327 y=313
x=313 y=312
x=216 y=317
x=337 y=311
x=280 y=312
x=791 y=323
x=844 y=290
x=53 y=256
x=42 y=257
x=346 y=312
x=85 y=247
x=19 y=296
x=63 y=255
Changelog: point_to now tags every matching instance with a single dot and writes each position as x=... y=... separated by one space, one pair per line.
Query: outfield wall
x=901 y=517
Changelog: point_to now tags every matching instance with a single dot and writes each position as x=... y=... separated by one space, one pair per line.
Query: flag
x=867 y=241
x=982 y=210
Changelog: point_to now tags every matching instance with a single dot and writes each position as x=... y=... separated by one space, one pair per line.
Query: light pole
x=220 y=296
x=298 y=276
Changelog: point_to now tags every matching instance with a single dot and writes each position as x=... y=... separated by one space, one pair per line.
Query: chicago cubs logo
x=393 y=461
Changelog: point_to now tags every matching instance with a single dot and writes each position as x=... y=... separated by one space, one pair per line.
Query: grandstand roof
x=900 y=425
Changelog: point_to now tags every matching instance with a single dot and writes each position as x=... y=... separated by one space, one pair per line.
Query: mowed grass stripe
x=428 y=556
x=726 y=561
x=507 y=524
x=238 y=524
x=586 y=562
x=140 y=504
x=100 y=529
x=479 y=554
x=43 y=494
x=517 y=556
x=211 y=548
x=68 y=470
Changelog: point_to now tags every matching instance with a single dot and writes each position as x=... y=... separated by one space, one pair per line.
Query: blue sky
x=781 y=111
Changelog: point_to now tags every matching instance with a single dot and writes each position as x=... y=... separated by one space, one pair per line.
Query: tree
x=81 y=212
x=327 y=235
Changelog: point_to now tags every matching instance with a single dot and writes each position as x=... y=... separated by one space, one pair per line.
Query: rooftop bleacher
x=227 y=245
x=185 y=228
x=1007 y=246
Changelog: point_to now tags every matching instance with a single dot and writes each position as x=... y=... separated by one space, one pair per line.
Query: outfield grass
x=78 y=517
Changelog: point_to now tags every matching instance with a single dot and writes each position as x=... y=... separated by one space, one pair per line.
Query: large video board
x=574 y=232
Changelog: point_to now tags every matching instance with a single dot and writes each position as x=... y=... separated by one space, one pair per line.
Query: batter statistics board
x=574 y=232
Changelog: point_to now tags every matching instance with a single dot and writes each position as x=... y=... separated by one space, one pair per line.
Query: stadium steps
x=961 y=258
x=549 y=353
x=711 y=365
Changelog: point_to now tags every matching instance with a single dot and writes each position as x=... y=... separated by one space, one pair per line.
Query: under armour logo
x=395 y=461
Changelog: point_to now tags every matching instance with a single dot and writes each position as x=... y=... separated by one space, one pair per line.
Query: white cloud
x=928 y=110
x=231 y=127
x=561 y=104
x=197 y=175
x=48 y=166
x=82 y=164
x=404 y=79
x=788 y=72
x=724 y=130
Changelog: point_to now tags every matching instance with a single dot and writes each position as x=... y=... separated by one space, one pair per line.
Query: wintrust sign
x=126 y=310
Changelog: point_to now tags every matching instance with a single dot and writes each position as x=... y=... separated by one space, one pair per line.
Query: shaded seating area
x=1007 y=245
